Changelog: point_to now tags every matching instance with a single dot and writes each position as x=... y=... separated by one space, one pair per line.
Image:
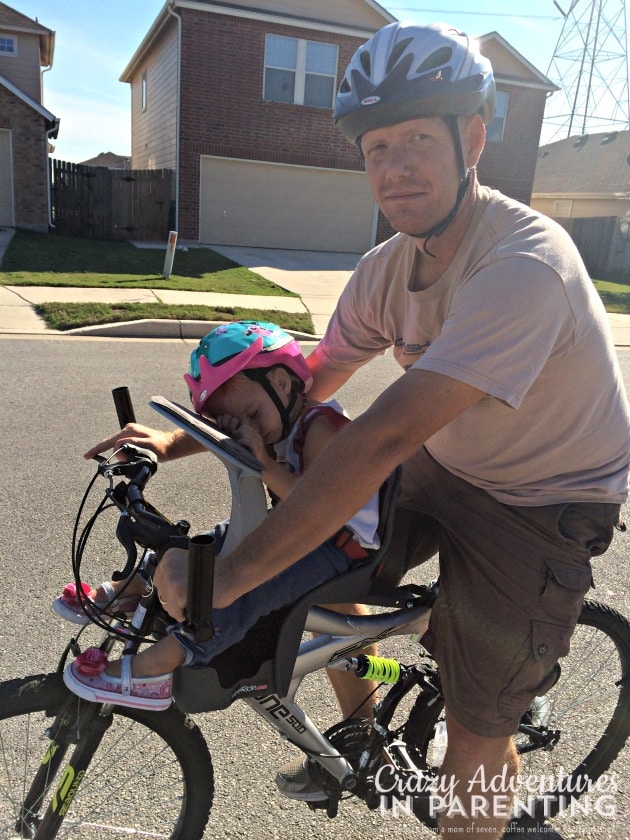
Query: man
x=511 y=419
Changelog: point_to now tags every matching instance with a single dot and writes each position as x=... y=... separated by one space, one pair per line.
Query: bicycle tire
x=590 y=705
x=152 y=773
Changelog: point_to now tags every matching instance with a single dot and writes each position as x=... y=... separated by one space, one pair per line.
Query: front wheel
x=151 y=775
x=569 y=737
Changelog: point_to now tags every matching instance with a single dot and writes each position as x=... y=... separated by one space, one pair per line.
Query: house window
x=495 y=129
x=299 y=71
x=8 y=46
x=143 y=90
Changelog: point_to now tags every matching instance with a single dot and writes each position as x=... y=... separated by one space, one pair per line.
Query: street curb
x=160 y=328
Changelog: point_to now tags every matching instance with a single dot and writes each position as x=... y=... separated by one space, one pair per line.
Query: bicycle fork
x=80 y=723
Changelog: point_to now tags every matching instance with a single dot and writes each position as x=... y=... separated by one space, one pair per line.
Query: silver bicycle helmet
x=406 y=71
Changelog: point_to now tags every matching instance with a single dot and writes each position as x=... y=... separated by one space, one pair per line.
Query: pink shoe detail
x=70 y=596
x=69 y=605
x=91 y=662
x=153 y=693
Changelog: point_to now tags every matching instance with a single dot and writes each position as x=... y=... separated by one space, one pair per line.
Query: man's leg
x=471 y=762
x=356 y=697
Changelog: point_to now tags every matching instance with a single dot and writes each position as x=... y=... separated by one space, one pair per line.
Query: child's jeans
x=232 y=623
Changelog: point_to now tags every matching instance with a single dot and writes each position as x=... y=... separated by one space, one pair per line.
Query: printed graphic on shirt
x=407 y=354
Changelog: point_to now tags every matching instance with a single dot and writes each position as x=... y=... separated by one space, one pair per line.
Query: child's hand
x=246 y=435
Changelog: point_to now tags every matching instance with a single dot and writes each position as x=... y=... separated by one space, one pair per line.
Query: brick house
x=25 y=125
x=508 y=162
x=237 y=99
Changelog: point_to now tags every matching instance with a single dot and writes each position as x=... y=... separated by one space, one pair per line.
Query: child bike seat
x=263 y=661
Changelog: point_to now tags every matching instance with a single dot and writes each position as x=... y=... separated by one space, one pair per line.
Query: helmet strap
x=464 y=183
x=260 y=375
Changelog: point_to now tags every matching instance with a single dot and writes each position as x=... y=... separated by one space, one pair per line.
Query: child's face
x=250 y=404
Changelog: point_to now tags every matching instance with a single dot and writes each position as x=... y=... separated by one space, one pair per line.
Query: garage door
x=269 y=205
x=6 y=180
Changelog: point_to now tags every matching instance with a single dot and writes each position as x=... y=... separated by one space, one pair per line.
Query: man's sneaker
x=294 y=782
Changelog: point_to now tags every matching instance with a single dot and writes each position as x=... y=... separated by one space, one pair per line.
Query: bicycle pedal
x=318 y=805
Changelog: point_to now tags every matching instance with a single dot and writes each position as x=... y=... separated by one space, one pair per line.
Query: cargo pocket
x=563 y=589
x=538 y=673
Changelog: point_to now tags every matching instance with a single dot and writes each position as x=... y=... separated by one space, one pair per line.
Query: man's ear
x=280 y=379
x=473 y=134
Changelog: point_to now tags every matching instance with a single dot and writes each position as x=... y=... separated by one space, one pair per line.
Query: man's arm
x=344 y=477
x=326 y=381
x=166 y=445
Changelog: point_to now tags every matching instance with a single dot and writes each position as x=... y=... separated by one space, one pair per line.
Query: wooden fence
x=101 y=203
x=603 y=242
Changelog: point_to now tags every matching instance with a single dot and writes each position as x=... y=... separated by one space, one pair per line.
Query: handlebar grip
x=124 y=407
x=200 y=586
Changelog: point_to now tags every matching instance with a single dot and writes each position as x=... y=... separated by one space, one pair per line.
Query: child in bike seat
x=252 y=380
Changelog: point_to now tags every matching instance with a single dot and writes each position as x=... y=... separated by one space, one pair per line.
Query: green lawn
x=42 y=259
x=616 y=295
x=68 y=316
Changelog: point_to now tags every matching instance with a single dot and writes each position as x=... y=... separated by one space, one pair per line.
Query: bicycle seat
x=263 y=661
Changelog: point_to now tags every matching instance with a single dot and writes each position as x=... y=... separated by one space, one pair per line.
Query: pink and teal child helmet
x=249 y=347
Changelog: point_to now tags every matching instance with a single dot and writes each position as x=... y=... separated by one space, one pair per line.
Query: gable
x=51 y=120
x=596 y=164
x=363 y=15
x=13 y=21
x=509 y=66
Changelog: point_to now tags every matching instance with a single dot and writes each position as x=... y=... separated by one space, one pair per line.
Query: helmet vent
x=437 y=59
x=366 y=64
x=396 y=52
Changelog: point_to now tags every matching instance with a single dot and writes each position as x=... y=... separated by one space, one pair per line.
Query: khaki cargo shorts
x=512 y=582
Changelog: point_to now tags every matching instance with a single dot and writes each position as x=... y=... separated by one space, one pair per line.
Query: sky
x=95 y=39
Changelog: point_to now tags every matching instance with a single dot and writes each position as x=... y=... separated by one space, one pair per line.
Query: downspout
x=51 y=133
x=170 y=9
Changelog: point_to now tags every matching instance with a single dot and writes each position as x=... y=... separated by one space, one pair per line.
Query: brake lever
x=125 y=538
x=132 y=468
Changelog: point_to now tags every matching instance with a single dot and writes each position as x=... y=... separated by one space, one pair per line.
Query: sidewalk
x=318 y=277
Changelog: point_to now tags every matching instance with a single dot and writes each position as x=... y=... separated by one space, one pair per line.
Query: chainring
x=349 y=738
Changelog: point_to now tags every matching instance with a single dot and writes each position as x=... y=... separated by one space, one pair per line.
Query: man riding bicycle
x=511 y=418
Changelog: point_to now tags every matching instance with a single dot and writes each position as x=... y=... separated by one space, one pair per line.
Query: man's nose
x=398 y=164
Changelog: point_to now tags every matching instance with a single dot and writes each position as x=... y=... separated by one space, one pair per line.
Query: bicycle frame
x=341 y=635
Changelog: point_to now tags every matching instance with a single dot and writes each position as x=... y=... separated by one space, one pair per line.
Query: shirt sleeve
x=353 y=337
x=503 y=325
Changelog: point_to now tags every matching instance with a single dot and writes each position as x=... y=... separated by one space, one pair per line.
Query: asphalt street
x=56 y=403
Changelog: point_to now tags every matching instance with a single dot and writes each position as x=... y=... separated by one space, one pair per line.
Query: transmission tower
x=590 y=66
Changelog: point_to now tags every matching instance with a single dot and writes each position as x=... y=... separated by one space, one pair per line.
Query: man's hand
x=166 y=445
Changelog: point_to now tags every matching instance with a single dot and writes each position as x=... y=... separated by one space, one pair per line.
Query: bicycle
x=70 y=768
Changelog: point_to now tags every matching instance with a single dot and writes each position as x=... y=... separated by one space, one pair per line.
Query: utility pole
x=590 y=66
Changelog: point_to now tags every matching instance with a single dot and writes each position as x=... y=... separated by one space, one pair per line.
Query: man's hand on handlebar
x=166 y=445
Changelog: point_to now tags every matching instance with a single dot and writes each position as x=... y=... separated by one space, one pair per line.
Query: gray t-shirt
x=516 y=316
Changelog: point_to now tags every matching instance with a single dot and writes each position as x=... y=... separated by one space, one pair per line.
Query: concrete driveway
x=319 y=277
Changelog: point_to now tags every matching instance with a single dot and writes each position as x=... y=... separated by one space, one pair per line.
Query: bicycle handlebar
x=140 y=523
x=124 y=408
